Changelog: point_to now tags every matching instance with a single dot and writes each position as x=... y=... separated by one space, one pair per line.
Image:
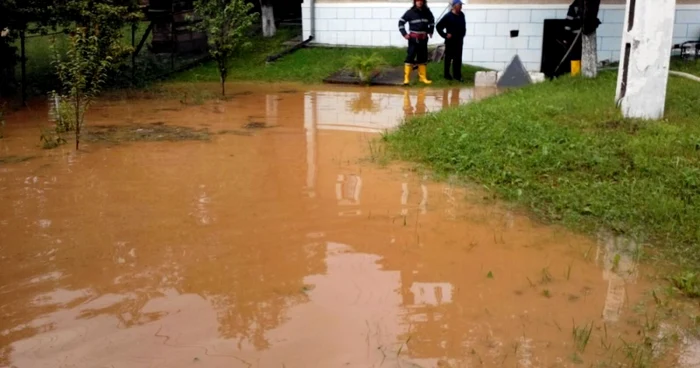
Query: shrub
x=365 y=66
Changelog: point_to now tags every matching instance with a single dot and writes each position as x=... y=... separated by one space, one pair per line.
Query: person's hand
x=449 y=36
x=407 y=37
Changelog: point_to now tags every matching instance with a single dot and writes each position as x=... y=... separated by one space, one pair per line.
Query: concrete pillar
x=589 y=55
x=268 y=18
x=647 y=40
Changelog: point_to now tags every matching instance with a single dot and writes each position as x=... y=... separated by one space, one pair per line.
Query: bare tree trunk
x=223 y=73
x=268 y=18
x=77 y=120
x=589 y=56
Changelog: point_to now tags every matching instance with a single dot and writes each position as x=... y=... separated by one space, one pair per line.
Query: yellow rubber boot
x=423 y=74
x=407 y=74
x=407 y=108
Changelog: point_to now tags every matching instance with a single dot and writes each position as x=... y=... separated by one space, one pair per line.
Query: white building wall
x=488 y=43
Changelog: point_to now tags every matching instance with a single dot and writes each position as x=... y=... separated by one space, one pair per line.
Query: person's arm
x=431 y=23
x=440 y=27
x=402 y=25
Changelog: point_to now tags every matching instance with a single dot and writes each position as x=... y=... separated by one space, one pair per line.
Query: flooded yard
x=257 y=232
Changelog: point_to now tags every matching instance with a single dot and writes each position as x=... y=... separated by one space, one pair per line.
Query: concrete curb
x=490 y=78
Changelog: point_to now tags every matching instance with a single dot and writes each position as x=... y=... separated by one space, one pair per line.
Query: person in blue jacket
x=453 y=27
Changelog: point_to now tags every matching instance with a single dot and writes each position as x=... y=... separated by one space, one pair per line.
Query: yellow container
x=575 y=67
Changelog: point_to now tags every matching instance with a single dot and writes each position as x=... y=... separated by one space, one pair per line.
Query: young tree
x=225 y=23
x=268 y=18
x=94 y=48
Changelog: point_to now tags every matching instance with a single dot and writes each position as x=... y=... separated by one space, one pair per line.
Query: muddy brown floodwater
x=280 y=245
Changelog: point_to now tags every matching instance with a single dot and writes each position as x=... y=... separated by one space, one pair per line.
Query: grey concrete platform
x=386 y=77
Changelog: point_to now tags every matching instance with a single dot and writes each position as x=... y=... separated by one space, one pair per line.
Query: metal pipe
x=290 y=50
x=685 y=75
x=312 y=14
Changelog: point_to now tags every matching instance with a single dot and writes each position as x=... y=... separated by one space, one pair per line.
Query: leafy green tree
x=225 y=23
x=94 y=48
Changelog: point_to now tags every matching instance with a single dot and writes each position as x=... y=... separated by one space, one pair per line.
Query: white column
x=268 y=20
x=589 y=55
x=647 y=40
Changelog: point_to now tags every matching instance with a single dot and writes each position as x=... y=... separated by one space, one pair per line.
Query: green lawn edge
x=309 y=65
x=562 y=150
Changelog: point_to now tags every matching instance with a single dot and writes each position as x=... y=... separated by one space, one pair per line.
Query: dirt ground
x=260 y=232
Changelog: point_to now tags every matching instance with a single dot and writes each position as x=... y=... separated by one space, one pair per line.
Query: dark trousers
x=453 y=59
x=417 y=51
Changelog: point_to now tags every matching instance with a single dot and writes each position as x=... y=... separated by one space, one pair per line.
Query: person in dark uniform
x=421 y=24
x=453 y=27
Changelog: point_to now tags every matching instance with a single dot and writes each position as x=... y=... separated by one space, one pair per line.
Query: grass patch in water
x=15 y=159
x=156 y=132
x=688 y=283
x=235 y=132
x=563 y=150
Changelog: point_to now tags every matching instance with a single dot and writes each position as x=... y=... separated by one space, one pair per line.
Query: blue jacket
x=419 y=21
x=454 y=24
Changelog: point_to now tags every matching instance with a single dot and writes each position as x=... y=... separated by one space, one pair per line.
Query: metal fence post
x=23 y=60
x=133 y=54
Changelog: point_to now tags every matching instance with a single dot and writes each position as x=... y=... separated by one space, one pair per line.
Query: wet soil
x=285 y=248
x=14 y=159
x=154 y=132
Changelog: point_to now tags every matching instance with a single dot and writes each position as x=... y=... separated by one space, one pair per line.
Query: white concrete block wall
x=488 y=43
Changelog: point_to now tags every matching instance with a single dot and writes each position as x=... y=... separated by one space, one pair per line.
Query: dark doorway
x=287 y=12
x=556 y=42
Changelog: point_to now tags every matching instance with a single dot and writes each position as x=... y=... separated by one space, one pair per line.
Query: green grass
x=41 y=76
x=563 y=150
x=309 y=65
x=686 y=66
x=39 y=68
x=581 y=336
